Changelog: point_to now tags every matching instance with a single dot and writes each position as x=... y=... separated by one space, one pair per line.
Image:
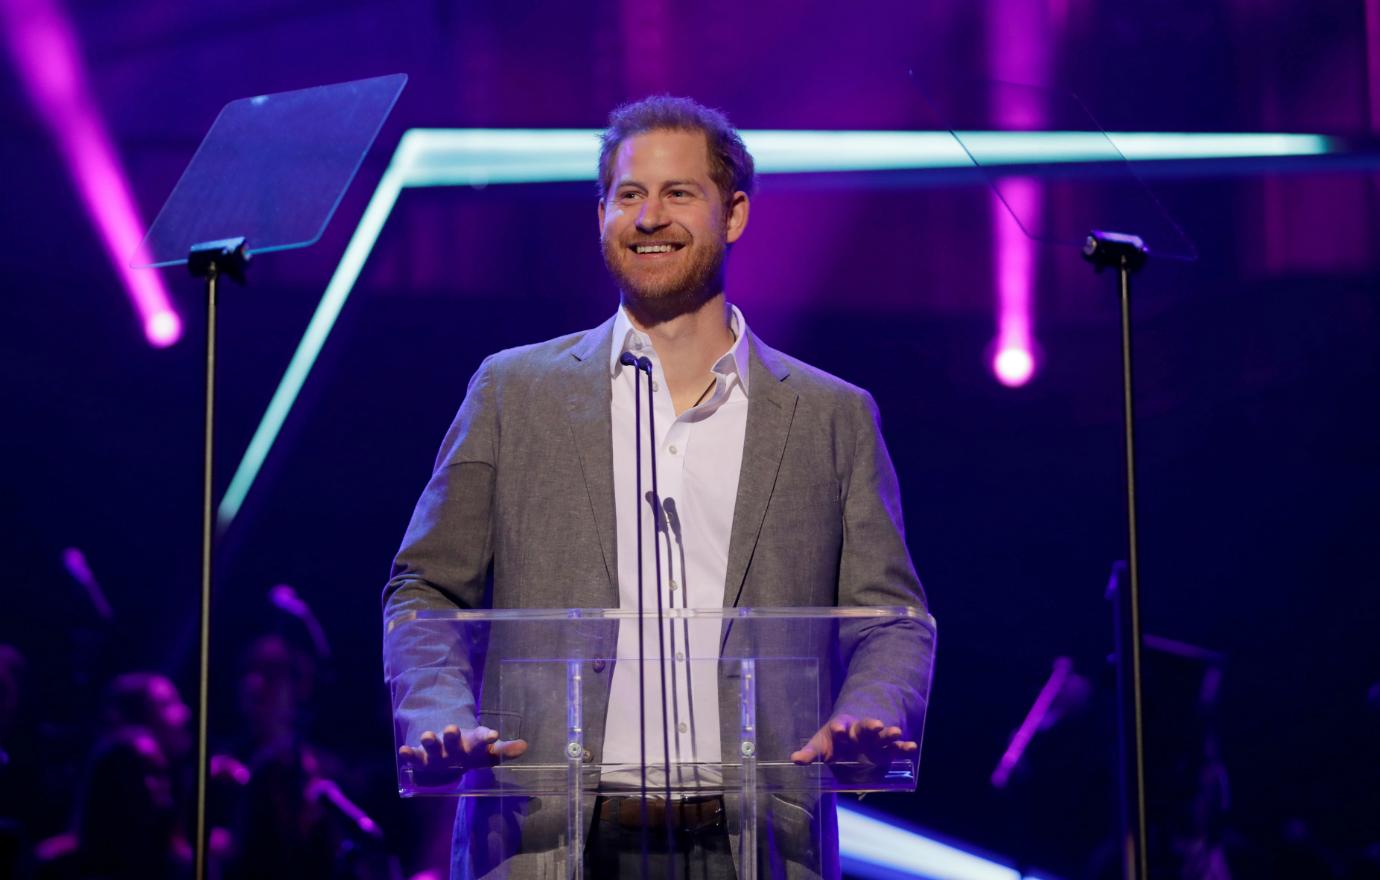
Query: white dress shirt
x=698 y=457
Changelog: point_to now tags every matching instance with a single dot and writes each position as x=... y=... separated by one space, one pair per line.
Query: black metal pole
x=207 y=526
x=210 y=260
x=1127 y=254
x=1137 y=861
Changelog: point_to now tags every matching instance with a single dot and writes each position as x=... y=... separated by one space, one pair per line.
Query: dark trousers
x=677 y=850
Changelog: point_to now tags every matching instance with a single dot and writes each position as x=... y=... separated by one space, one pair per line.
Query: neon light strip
x=481 y=157
x=46 y=54
x=871 y=847
x=322 y=320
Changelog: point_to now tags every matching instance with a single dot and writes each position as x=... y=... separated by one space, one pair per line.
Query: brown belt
x=687 y=814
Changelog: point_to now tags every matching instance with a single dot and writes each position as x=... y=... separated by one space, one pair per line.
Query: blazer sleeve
x=444 y=564
x=888 y=663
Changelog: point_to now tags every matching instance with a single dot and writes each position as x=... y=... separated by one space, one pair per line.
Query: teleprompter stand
x=1127 y=254
x=269 y=174
x=1059 y=176
x=209 y=260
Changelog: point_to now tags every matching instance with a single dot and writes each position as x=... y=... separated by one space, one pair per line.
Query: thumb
x=806 y=755
x=508 y=748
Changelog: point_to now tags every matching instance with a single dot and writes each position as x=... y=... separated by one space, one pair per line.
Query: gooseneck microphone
x=646 y=364
x=628 y=359
x=641 y=365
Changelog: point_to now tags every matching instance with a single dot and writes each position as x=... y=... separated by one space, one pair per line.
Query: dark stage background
x=1259 y=369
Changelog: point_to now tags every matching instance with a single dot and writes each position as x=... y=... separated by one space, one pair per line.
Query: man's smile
x=655 y=248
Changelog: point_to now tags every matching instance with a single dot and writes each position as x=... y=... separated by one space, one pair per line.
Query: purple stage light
x=1013 y=367
x=46 y=56
x=163 y=328
x=1013 y=361
x=1021 y=40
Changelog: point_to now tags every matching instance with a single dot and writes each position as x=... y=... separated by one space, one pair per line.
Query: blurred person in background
x=126 y=826
x=152 y=702
x=18 y=771
x=292 y=820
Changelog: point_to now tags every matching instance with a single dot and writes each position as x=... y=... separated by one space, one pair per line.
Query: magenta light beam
x=1033 y=719
x=44 y=48
x=1021 y=35
x=1013 y=357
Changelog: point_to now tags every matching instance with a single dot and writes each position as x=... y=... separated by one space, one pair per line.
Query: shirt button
x=683 y=727
x=673 y=449
x=674 y=586
x=680 y=655
x=656 y=387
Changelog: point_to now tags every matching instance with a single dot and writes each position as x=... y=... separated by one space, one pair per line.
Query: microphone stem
x=660 y=621
x=641 y=651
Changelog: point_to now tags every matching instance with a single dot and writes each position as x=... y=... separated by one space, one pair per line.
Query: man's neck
x=687 y=345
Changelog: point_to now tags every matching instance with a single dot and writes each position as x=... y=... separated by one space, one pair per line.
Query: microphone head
x=672 y=518
x=628 y=359
x=645 y=363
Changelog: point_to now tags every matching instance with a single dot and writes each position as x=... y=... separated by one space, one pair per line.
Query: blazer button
x=586 y=756
x=598 y=665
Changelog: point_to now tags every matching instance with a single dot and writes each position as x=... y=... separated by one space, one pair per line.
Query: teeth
x=653 y=248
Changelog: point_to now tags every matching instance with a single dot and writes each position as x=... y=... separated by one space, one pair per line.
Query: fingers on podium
x=511 y=748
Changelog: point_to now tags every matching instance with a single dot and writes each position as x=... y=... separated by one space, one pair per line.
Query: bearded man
x=773 y=479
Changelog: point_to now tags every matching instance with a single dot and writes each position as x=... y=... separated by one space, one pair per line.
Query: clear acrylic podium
x=743 y=689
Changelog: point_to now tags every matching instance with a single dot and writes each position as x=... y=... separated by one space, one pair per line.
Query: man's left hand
x=846 y=738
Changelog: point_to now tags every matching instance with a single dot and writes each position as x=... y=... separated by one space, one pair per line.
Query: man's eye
x=628 y=196
x=680 y=194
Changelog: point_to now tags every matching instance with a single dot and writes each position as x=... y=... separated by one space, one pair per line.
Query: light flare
x=47 y=57
x=1013 y=366
x=1014 y=361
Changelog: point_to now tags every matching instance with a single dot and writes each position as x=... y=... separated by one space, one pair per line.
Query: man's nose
x=651 y=217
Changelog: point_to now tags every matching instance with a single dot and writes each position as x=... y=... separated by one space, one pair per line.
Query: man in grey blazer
x=778 y=469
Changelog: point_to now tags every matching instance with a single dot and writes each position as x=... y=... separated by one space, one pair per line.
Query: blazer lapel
x=771 y=406
x=587 y=405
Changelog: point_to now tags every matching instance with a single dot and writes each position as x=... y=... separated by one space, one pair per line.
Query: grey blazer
x=519 y=513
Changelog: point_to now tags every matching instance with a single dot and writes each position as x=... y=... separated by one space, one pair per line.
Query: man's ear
x=737 y=218
x=601 y=215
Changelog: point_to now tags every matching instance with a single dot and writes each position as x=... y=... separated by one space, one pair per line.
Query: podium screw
x=749 y=748
x=573 y=750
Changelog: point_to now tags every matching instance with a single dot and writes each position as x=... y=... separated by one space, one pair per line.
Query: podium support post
x=574 y=752
x=747 y=749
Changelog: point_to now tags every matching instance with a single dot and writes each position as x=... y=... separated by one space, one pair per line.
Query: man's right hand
x=440 y=760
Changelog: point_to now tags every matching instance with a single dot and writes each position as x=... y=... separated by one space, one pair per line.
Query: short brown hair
x=730 y=164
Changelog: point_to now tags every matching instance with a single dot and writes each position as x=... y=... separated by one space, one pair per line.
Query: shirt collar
x=626 y=337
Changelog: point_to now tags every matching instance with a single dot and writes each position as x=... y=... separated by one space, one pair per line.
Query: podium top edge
x=493 y=615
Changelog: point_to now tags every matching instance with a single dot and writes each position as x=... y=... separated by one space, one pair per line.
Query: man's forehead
x=663 y=153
